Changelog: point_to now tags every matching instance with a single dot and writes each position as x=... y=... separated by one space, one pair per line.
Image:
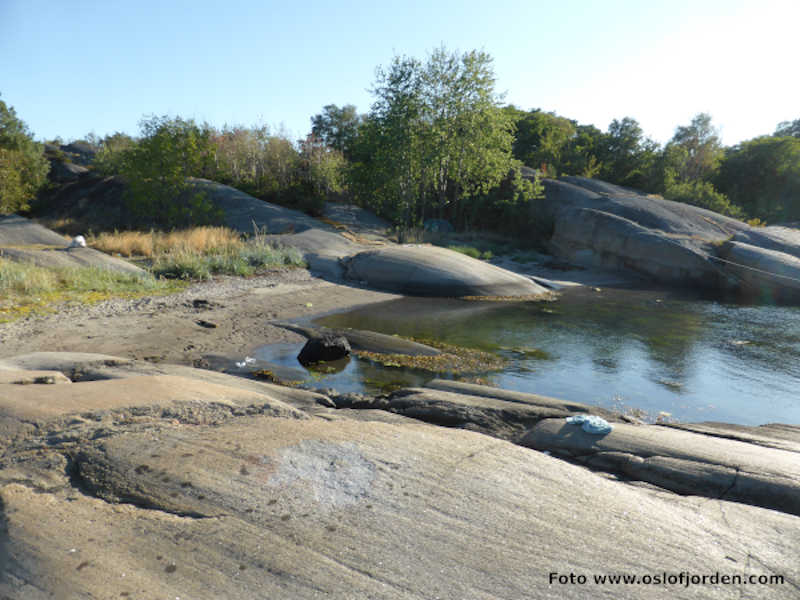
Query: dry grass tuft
x=136 y=243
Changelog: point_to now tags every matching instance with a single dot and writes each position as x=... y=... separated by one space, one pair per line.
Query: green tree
x=322 y=166
x=695 y=151
x=788 y=129
x=627 y=156
x=702 y=194
x=255 y=160
x=113 y=148
x=23 y=167
x=762 y=176
x=542 y=139
x=689 y=163
x=436 y=141
x=581 y=155
x=156 y=170
x=385 y=173
x=337 y=127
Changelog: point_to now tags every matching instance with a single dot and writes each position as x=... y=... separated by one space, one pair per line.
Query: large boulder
x=604 y=225
x=62 y=171
x=599 y=224
x=419 y=270
x=324 y=348
x=764 y=274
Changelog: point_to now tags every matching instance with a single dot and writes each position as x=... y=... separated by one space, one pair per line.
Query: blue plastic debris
x=591 y=424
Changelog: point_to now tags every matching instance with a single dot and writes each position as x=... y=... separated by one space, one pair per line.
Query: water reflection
x=692 y=357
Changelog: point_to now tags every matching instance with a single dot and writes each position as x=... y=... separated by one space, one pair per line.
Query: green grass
x=27 y=289
x=243 y=260
x=473 y=252
x=173 y=260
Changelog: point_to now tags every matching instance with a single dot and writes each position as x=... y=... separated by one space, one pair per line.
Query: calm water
x=699 y=360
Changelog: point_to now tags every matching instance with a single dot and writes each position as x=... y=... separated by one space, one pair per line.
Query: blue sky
x=79 y=66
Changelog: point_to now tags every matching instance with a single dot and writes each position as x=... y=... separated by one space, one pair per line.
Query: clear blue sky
x=71 y=67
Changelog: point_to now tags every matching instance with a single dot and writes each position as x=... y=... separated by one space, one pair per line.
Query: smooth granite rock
x=432 y=271
x=141 y=485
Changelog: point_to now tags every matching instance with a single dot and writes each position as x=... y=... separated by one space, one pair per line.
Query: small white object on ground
x=248 y=360
x=591 y=424
x=78 y=242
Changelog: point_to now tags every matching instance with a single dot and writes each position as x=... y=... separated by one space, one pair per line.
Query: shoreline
x=148 y=475
x=236 y=312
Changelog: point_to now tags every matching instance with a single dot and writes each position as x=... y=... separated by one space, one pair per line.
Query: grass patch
x=151 y=244
x=27 y=289
x=473 y=252
x=242 y=259
x=200 y=252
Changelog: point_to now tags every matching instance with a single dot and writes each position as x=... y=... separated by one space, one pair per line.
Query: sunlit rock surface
x=135 y=482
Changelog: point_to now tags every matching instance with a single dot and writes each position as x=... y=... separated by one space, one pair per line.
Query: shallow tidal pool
x=644 y=352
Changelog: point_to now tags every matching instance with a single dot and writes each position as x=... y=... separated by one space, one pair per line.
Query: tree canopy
x=762 y=176
x=23 y=167
x=337 y=127
x=436 y=140
x=788 y=129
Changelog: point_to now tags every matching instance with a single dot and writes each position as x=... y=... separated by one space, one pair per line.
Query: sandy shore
x=178 y=328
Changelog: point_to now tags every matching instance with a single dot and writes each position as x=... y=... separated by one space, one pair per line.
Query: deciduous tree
x=23 y=167
x=436 y=139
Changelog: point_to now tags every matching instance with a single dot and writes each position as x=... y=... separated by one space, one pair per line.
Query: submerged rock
x=369 y=341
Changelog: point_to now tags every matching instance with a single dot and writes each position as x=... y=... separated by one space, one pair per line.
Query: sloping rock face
x=61 y=172
x=69 y=162
x=600 y=224
x=682 y=461
x=19 y=231
x=247 y=497
x=779 y=239
x=603 y=225
x=243 y=211
x=23 y=240
x=432 y=271
x=767 y=275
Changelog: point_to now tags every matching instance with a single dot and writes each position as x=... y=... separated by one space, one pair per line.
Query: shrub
x=157 y=167
x=702 y=194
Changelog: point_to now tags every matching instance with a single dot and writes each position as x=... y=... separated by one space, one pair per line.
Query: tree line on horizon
x=437 y=142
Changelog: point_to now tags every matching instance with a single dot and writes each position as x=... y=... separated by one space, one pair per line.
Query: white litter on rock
x=248 y=360
x=591 y=424
x=78 y=242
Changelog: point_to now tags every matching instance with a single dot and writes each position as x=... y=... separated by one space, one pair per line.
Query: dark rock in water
x=323 y=349
x=369 y=341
